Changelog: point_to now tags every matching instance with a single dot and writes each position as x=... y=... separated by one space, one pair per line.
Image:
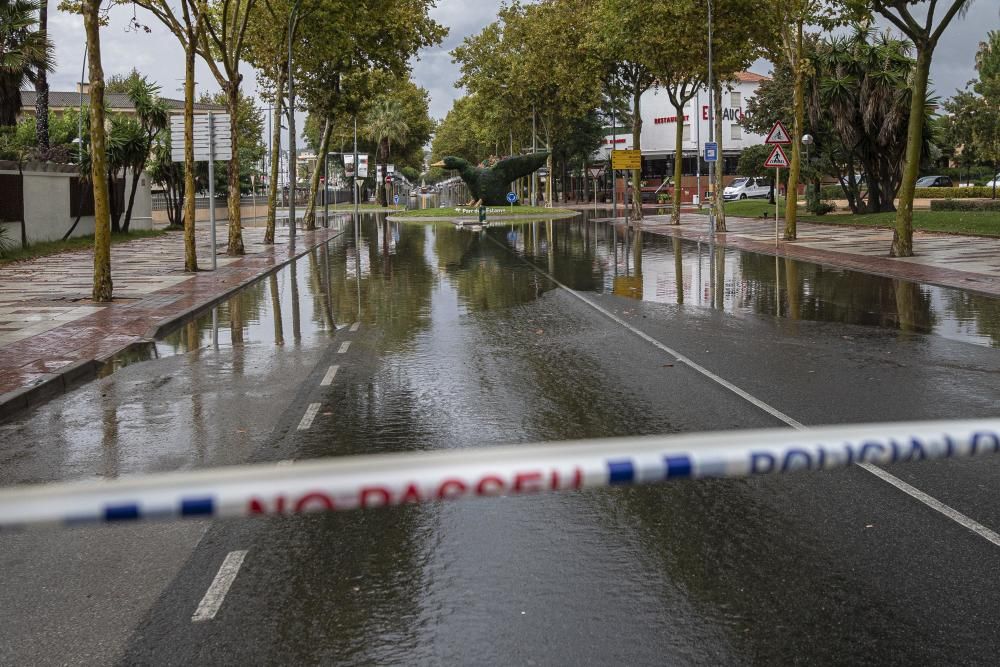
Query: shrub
x=822 y=208
x=952 y=193
x=965 y=205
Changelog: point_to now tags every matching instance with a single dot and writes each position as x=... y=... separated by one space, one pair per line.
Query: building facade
x=659 y=127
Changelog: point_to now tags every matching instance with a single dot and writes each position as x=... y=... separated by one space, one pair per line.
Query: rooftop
x=114 y=101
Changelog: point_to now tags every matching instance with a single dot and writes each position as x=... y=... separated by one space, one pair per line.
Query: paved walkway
x=951 y=260
x=51 y=333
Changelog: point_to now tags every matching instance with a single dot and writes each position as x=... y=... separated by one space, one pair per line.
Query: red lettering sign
x=451 y=488
x=490 y=486
x=313 y=502
x=527 y=482
x=411 y=495
x=374 y=496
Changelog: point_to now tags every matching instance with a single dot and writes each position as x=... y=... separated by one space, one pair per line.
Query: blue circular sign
x=511 y=197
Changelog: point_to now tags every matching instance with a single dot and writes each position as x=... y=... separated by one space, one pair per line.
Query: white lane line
x=309 y=416
x=216 y=593
x=355 y=326
x=328 y=378
x=934 y=503
x=344 y=347
x=889 y=478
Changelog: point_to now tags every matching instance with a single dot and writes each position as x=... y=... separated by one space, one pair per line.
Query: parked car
x=995 y=183
x=747 y=188
x=935 y=182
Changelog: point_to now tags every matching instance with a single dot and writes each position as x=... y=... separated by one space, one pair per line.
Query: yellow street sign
x=626 y=159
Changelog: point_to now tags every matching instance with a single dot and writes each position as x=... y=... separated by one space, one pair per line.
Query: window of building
x=735 y=99
x=736 y=132
x=687 y=131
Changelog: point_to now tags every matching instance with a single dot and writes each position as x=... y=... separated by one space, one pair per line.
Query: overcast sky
x=159 y=55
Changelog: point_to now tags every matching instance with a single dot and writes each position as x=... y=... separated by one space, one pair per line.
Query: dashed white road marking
x=309 y=416
x=328 y=378
x=889 y=478
x=344 y=347
x=355 y=326
x=216 y=593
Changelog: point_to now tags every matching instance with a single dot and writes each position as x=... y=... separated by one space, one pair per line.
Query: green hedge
x=836 y=192
x=965 y=205
x=952 y=193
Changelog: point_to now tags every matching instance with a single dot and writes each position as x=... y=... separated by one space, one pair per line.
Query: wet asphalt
x=463 y=341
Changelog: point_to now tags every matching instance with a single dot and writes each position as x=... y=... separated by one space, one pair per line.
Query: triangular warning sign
x=777 y=159
x=778 y=135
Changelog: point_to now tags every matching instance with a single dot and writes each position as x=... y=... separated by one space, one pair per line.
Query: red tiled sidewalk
x=949 y=260
x=47 y=354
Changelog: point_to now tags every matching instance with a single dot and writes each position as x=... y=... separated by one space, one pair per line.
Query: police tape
x=362 y=482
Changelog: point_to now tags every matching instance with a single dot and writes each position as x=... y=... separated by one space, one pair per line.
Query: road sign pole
x=211 y=183
x=777 y=178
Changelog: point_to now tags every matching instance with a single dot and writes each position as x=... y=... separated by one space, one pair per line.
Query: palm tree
x=153 y=117
x=23 y=52
x=386 y=123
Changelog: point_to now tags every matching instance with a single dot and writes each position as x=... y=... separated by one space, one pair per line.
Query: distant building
x=115 y=102
x=659 y=127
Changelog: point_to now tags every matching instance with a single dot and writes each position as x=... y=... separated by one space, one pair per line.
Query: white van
x=746 y=188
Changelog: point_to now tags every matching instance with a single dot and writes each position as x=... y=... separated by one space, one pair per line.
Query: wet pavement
x=460 y=339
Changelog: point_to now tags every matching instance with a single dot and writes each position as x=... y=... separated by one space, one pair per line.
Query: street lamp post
x=711 y=125
x=807 y=141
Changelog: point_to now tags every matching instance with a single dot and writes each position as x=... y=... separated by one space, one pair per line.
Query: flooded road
x=463 y=341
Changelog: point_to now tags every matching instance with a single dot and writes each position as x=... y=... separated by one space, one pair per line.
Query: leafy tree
x=250 y=126
x=267 y=51
x=187 y=25
x=386 y=122
x=152 y=117
x=542 y=47
x=790 y=18
x=122 y=83
x=630 y=37
x=42 y=85
x=862 y=90
x=456 y=134
x=925 y=36
x=98 y=154
x=163 y=170
x=222 y=48
x=25 y=50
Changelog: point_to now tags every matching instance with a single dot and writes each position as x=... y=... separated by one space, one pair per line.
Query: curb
x=84 y=370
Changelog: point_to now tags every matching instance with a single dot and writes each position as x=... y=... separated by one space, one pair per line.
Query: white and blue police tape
x=393 y=479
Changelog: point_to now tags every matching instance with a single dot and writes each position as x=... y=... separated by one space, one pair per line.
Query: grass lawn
x=491 y=212
x=980 y=223
x=43 y=248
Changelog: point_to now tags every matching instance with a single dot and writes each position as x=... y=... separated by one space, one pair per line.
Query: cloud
x=160 y=56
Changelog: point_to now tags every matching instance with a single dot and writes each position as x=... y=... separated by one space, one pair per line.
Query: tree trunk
x=98 y=157
x=636 y=145
x=549 y=162
x=42 y=88
x=717 y=203
x=309 y=221
x=235 y=226
x=272 y=190
x=675 y=214
x=380 y=190
x=116 y=213
x=131 y=199
x=902 y=237
x=190 y=212
x=795 y=161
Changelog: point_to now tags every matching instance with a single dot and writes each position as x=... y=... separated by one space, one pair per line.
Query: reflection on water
x=385 y=271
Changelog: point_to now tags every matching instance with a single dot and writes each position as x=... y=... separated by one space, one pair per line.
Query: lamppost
x=807 y=141
x=711 y=125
